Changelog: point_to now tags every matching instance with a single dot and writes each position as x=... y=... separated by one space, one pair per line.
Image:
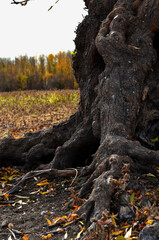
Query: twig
x=53 y=5
x=23 y=3
x=12 y=233
x=31 y=174
x=74 y=177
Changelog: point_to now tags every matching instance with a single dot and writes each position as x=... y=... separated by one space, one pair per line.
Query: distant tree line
x=44 y=72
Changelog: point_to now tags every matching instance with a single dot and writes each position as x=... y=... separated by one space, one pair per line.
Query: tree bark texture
x=117 y=68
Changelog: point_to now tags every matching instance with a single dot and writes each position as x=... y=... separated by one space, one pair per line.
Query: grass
x=29 y=111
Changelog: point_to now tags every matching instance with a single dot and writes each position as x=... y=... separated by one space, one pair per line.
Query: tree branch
x=23 y=3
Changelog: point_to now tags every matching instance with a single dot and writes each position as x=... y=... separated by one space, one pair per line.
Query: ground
x=28 y=209
x=42 y=199
x=30 y=111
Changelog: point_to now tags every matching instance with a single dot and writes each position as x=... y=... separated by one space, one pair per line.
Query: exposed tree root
x=115 y=172
x=36 y=148
x=47 y=172
x=76 y=150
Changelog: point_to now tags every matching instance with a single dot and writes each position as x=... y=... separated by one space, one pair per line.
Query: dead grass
x=29 y=111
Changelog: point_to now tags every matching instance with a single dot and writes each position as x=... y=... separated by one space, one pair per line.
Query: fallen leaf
x=75 y=208
x=12 y=176
x=128 y=234
x=10 y=238
x=42 y=183
x=45 y=192
x=62 y=220
x=113 y=217
x=21 y=202
x=49 y=222
x=154 y=139
x=65 y=236
x=126 y=226
x=79 y=234
x=120 y=238
x=73 y=216
x=131 y=199
x=25 y=237
x=138 y=192
x=81 y=223
x=137 y=48
x=135 y=224
x=148 y=193
x=149 y=222
x=47 y=236
x=6 y=196
x=117 y=233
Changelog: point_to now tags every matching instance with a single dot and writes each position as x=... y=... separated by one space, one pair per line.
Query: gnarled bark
x=116 y=66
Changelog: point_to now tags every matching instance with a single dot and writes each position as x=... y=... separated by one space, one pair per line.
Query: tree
x=41 y=71
x=25 y=73
x=116 y=67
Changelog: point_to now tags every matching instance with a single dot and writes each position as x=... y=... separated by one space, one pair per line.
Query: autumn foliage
x=44 y=72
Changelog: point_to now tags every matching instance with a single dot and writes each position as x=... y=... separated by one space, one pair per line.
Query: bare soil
x=29 y=212
x=24 y=214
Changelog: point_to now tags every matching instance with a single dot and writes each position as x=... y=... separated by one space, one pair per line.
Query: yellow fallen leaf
x=21 y=202
x=59 y=230
x=117 y=233
x=81 y=223
x=154 y=139
x=47 y=236
x=149 y=222
x=126 y=226
x=44 y=192
x=113 y=219
x=49 y=222
x=131 y=199
x=42 y=183
x=13 y=176
x=57 y=219
x=5 y=178
x=79 y=234
x=60 y=218
x=148 y=193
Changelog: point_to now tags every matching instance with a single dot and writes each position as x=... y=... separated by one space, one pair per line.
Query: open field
x=29 y=111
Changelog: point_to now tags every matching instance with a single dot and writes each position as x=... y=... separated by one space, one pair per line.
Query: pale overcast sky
x=33 y=30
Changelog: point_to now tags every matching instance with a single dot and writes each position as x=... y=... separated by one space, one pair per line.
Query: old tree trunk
x=114 y=134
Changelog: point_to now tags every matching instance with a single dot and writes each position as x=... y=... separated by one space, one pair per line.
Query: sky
x=33 y=30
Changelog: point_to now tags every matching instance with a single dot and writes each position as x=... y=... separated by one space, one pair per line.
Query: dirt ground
x=23 y=214
x=45 y=208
